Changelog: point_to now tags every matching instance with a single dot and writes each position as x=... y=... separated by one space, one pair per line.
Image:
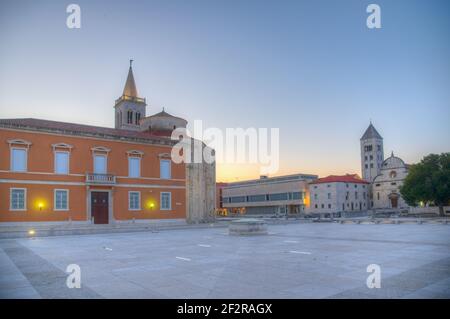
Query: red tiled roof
x=81 y=129
x=221 y=184
x=348 y=178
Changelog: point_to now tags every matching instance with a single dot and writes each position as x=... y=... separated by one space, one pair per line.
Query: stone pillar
x=200 y=190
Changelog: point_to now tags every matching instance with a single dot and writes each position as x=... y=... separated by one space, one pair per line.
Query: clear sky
x=311 y=68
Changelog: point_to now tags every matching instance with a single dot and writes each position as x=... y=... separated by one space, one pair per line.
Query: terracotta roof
x=164 y=114
x=81 y=129
x=348 y=178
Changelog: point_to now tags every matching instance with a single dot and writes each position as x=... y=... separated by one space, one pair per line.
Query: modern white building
x=281 y=195
x=338 y=194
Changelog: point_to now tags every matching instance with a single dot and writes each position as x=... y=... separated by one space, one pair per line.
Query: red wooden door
x=99 y=207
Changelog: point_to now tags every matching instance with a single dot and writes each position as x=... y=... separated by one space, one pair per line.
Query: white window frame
x=106 y=162
x=11 y=161
x=68 y=162
x=170 y=168
x=54 y=199
x=129 y=200
x=24 y=199
x=161 y=201
x=129 y=166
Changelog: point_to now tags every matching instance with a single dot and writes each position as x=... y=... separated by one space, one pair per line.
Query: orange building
x=58 y=172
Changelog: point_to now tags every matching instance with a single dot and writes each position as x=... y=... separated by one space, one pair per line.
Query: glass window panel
x=19 y=160
x=61 y=163
x=100 y=164
x=165 y=169
x=134 y=166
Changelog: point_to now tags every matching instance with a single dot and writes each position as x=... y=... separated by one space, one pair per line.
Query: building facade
x=338 y=194
x=386 y=186
x=59 y=172
x=385 y=176
x=282 y=195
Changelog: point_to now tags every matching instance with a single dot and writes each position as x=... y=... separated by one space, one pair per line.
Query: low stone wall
x=248 y=227
x=428 y=210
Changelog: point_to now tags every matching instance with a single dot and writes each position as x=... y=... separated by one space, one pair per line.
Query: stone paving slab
x=315 y=260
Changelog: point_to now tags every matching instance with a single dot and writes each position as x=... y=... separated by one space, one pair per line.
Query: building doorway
x=100 y=207
x=394 y=200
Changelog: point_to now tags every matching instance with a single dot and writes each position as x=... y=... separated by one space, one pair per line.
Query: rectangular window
x=237 y=199
x=134 y=200
x=18 y=199
x=165 y=169
x=278 y=196
x=61 y=199
x=166 y=201
x=256 y=198
x=297 y=195
x=329 y=195
x=100 y=164
x=61 y=162
x=18 y=160
x=134 y=166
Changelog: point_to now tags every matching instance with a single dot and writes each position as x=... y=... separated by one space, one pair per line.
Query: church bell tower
x=129 y=108
x=372 y=155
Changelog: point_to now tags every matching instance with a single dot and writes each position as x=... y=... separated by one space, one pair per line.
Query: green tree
x=428 y=182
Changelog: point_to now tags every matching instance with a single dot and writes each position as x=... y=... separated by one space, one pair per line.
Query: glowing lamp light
x=40 y=205
x=31 y=232
x=150 y=205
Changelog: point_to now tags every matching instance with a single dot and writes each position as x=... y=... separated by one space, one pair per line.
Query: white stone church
x=385 y=176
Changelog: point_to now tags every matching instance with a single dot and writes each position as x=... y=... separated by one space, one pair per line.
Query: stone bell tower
x=372 y=155
x=129 y=108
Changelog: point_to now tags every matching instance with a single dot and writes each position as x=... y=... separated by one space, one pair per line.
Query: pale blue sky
x=311 y=68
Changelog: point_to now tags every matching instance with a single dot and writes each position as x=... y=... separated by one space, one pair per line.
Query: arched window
x=393 y=174
x=130 y=117
x=138 y=118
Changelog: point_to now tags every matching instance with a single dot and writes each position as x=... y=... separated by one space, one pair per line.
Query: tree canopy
x=428 y=181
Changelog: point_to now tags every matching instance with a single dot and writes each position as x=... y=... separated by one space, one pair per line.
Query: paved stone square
x=315 y=260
